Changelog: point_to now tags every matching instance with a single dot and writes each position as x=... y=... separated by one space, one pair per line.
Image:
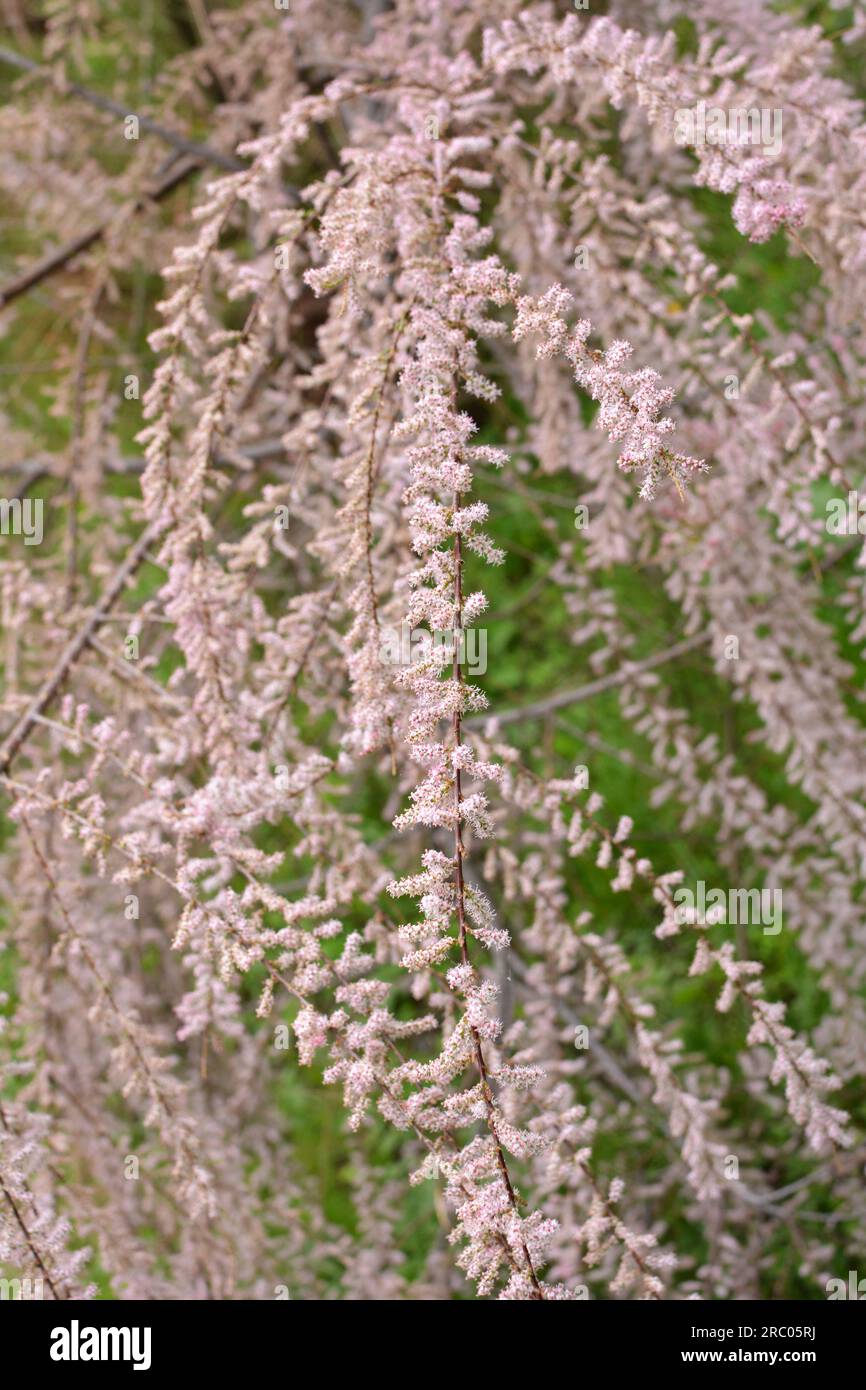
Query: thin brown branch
x=18 y=734
x=597 y=687
x=459 y=852
x=56 y=260
x=202 y=153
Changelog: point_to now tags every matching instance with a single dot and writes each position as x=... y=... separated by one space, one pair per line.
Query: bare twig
x=584 y=692
x=55 y=260
x=53 y=682
x=204 y=154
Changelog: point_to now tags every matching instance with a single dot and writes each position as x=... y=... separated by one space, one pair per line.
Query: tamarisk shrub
x=434 y=280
